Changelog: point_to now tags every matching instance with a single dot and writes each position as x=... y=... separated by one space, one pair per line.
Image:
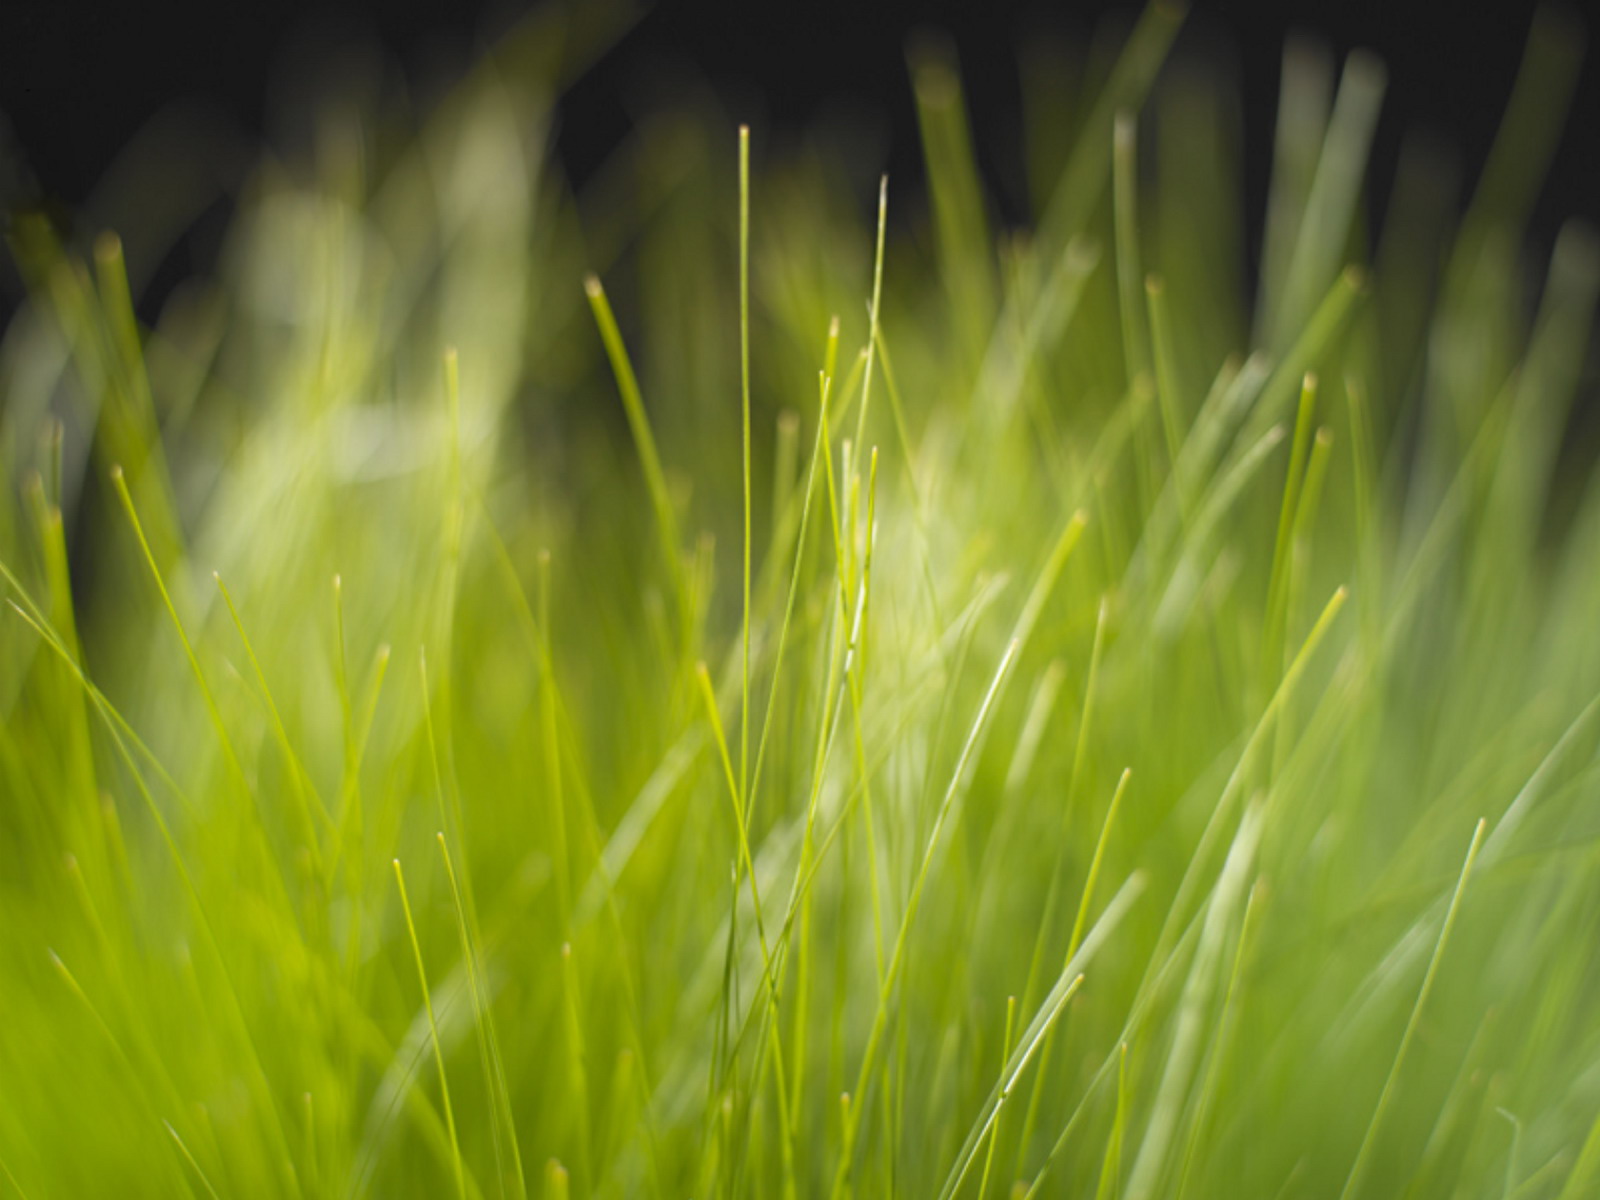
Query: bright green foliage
x=1091 y=738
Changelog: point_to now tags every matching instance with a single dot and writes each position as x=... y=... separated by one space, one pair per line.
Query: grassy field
x=722 y=683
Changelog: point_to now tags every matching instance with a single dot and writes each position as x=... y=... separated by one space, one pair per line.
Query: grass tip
x=1367 y=67
x=116 y=472
x=107 y=246
x=591 y=285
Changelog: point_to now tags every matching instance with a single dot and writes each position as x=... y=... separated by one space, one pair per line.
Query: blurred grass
x=1096 y=735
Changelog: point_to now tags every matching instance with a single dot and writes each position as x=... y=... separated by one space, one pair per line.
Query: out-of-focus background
x=79 y=79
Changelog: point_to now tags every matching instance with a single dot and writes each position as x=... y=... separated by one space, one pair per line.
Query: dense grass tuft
x=703 y=693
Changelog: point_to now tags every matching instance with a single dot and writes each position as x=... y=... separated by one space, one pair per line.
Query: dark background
x=78 y=80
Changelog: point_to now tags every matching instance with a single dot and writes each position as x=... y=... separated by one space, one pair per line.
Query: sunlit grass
x=726 y=682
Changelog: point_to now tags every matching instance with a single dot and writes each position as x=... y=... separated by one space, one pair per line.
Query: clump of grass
x=838 y=713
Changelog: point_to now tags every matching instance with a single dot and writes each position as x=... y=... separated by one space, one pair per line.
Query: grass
x=1144 y=744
